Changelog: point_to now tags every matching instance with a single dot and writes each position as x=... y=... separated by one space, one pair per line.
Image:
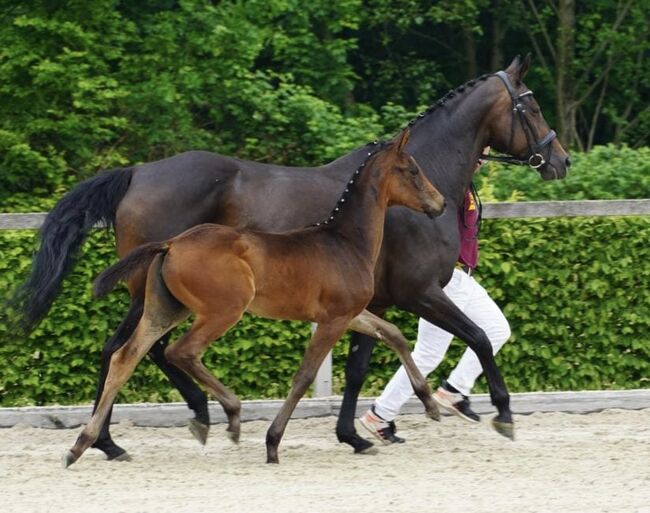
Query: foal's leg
x=193 y=395
x=162 y=312
x=124 y=331
x=368 y=323
x=123 y=363
x=186 y=354
x=321 y=342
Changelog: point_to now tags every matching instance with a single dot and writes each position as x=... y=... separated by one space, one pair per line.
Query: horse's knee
x=480 y=344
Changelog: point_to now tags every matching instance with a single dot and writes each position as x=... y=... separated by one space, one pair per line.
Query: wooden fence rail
x=523 y=209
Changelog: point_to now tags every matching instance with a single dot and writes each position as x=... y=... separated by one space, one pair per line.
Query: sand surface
x=592 y=463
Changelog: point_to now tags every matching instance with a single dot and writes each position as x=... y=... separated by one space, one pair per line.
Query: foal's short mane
x=349 y=186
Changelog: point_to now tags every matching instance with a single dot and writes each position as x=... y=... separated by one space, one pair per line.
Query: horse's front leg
x=322 y=341
x=368 y=323
x=356 y=368
x=438 y=309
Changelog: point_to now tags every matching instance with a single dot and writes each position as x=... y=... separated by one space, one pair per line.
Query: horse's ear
x=514 y=66
x=519 y=67
x=402 y=139
x=523 y=68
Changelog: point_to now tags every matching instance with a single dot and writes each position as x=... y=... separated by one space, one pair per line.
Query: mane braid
x=349 y=186
x=452 y=92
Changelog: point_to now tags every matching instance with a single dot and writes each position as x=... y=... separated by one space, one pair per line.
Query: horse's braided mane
x=379 y=145
x=452 y=93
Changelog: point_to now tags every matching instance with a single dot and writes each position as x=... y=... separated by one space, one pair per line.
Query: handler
x=433 y=342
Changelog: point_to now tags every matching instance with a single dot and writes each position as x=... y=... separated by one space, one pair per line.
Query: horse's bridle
x=535 y=158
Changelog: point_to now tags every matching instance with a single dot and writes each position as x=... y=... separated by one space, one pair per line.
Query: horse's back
x=169 y=196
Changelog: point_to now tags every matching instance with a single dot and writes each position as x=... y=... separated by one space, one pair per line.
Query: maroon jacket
x=469 y=220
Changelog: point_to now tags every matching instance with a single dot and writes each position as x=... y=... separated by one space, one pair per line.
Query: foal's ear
x=402 y=139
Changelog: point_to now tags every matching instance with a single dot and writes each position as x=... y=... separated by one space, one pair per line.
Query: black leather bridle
x=535 y=159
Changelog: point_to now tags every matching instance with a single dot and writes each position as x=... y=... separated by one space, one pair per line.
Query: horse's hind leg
x=321 y=342
x=186 y=354
x=196 y=399
x=370 y=324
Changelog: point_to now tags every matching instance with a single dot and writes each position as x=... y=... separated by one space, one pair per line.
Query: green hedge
x=574 y=290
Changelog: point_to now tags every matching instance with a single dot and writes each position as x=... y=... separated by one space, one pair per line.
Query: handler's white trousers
x=433 y=342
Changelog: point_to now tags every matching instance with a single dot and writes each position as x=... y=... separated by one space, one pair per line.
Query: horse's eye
x=414 y=170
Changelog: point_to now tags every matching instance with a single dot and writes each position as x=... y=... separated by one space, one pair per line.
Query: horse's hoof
x=233 y=436
x=368 y=451
x=272 y=459
x=362 y=446
x=199 y=431
x=116 y=453
x=68 y=459
x=506 y=429
x=124 y=456
x=112 y=451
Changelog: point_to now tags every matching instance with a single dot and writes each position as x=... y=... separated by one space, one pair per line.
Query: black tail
x=134 y=261
x=61 y=236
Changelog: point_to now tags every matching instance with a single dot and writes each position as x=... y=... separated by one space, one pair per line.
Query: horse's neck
x=360 y=218
x=448 y=141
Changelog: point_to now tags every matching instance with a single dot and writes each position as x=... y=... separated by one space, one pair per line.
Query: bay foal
x=323 y=274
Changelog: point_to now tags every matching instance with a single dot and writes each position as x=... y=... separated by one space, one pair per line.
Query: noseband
x=535 y=158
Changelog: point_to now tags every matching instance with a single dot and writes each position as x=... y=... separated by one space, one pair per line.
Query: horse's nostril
x=444 y=204
x=567 y=162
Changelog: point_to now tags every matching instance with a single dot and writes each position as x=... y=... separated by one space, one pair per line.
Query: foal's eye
x=414 y=170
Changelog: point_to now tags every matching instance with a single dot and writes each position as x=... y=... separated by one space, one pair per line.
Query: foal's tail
x=63 y=232
x=139 y=258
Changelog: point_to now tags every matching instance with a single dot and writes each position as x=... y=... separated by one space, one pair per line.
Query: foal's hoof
x=506 y=429
x=233 y=436
x=68 y=459
x=433 y=413
x=199 y=430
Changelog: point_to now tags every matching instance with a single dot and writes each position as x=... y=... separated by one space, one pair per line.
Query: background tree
x=85 y=86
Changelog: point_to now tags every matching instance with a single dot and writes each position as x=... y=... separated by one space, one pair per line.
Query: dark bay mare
x=323 y=274
x=156 y=201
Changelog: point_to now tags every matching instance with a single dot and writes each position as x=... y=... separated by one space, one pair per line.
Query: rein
x=535 y=158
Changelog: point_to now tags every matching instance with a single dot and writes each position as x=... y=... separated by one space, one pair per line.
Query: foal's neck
x=359 y=219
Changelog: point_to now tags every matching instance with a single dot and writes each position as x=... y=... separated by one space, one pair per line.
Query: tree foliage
x=85 y=86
